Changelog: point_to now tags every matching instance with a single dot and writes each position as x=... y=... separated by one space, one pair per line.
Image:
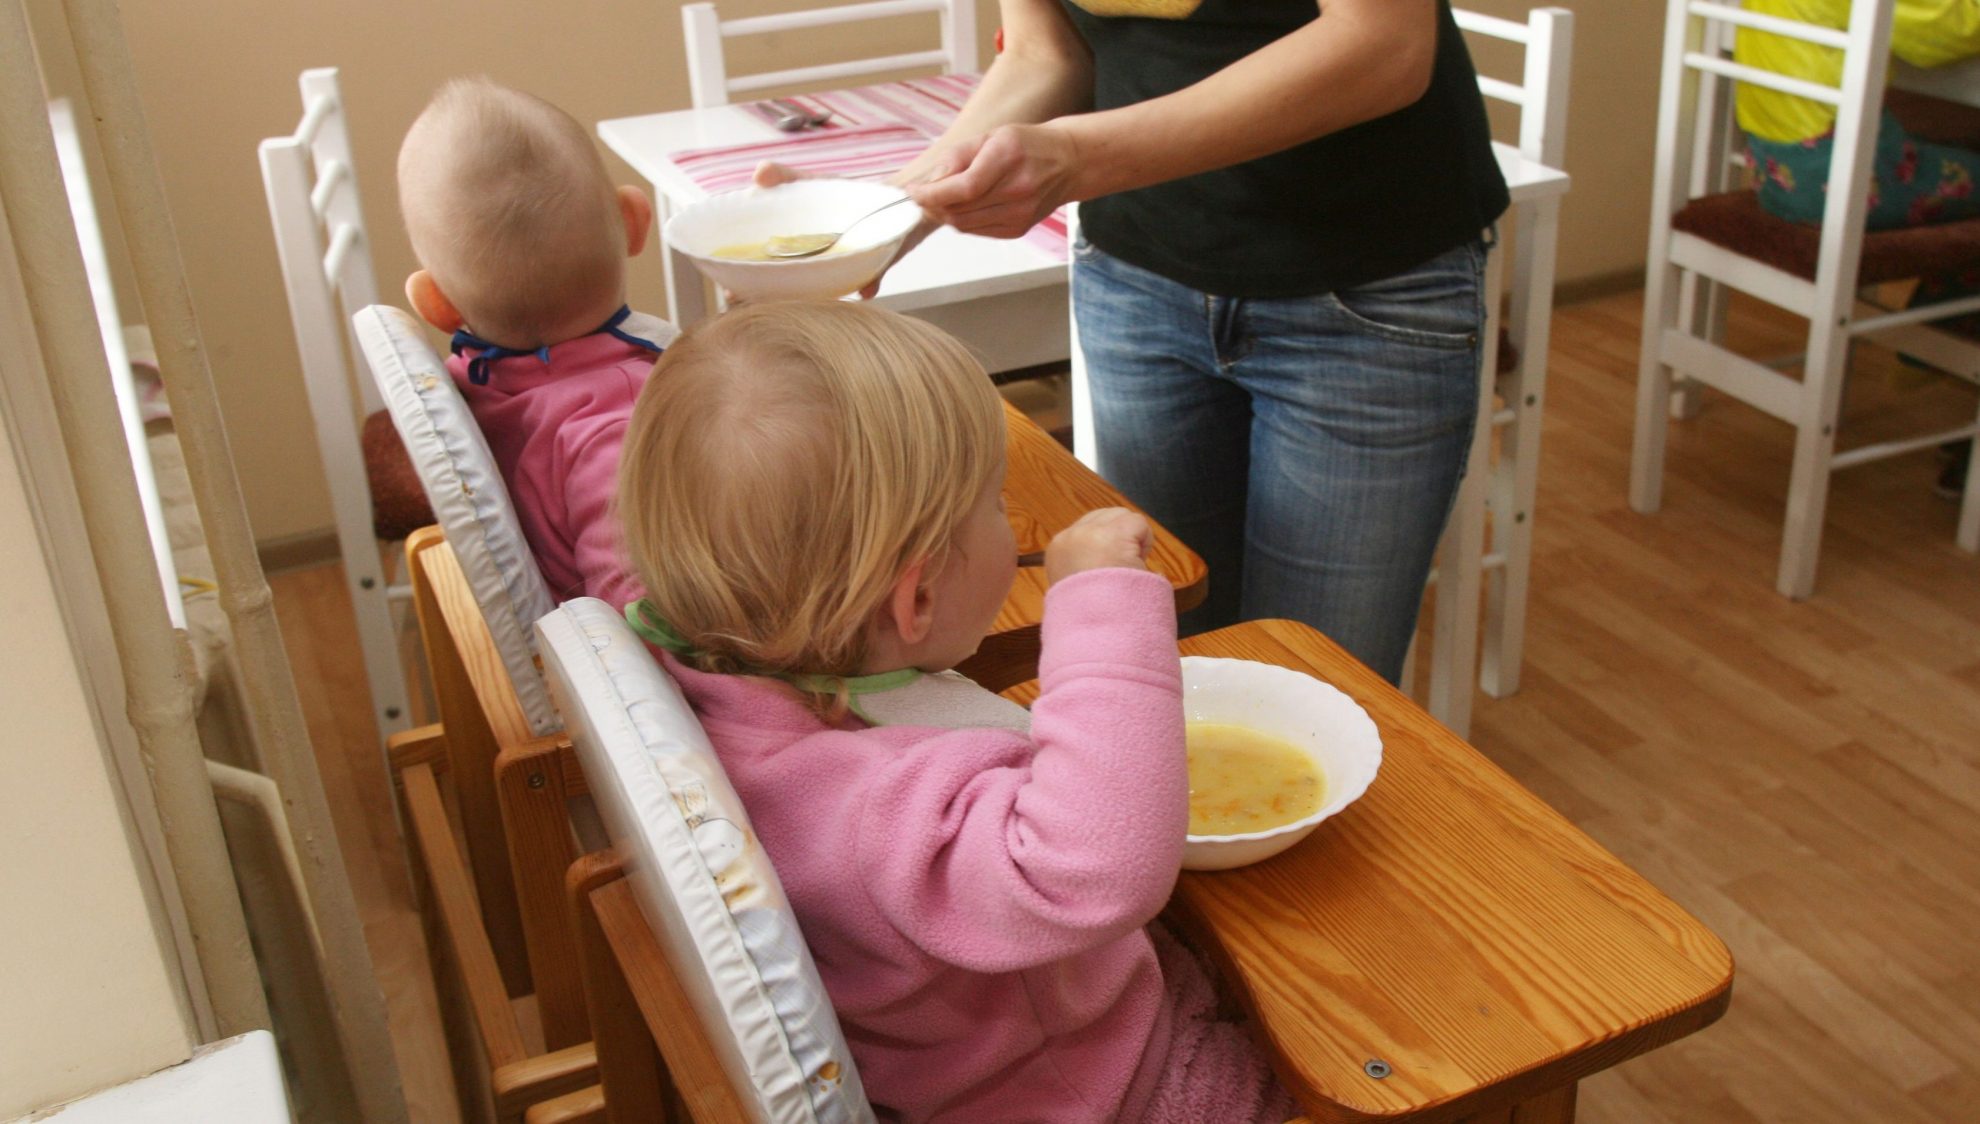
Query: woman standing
x=1279 y=283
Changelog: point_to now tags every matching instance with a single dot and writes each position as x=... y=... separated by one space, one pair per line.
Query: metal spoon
x=783 y=247
x=796 y=118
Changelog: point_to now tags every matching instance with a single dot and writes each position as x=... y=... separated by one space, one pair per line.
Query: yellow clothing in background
x=1923 y=33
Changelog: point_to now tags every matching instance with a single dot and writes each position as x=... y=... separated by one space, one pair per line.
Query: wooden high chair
x=1447 y=949
x=496 y=915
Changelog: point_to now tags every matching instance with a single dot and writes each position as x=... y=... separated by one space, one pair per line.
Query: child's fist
x=1110 y=536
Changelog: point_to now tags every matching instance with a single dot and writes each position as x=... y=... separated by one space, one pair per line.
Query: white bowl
x=1314 y=716
x=820 y=206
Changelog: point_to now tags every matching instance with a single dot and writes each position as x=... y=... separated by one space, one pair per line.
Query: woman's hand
x=1011 y=177
x=1106 y=537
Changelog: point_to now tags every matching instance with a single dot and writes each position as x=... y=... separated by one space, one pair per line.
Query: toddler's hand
x=1110 y=536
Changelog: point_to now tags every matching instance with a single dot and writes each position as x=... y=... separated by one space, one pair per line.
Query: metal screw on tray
x=1376 y=1068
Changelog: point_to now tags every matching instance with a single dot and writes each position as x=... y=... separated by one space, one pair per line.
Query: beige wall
x=220 y=74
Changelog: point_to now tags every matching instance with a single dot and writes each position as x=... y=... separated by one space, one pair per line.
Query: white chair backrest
x=708 y=75
x=96 y=265
x=320 y=238
x=1541 y=92
x=464 y=485
x=698 y=871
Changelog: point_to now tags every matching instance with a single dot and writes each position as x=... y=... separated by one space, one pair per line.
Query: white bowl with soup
x=728 y=237
x=1273 y=752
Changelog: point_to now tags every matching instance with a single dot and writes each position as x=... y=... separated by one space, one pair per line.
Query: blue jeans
x=1308 y=448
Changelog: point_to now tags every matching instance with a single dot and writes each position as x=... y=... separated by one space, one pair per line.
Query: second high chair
x=496 y=915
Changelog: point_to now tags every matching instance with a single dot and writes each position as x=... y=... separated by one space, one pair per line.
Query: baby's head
x=520 y=234
x=815 y=488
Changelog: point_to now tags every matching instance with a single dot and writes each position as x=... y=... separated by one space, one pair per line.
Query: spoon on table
x=783 y=247
x=795 y=118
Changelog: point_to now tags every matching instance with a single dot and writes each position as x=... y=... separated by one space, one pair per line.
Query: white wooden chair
x=1704 y=237
x=1510 y=397
x=708 y=74
x=320 y=235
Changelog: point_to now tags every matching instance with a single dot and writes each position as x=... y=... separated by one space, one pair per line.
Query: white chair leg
x=1517 y=475
x=1461 y=554
x=1814 y=448
x=1703 y=307
x=1653 y=389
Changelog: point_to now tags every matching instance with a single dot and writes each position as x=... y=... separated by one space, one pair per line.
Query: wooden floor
x=1803 y=777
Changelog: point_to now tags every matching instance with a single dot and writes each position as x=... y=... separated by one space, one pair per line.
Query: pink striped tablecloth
x=873 y=132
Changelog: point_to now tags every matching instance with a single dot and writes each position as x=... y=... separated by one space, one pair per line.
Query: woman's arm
x=1043 y=72
x=1362 y=59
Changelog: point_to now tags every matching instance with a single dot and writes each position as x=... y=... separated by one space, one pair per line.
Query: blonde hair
x=785 y=465
x=508 y=206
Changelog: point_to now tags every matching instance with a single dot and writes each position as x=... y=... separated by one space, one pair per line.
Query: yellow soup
x=760 y=251
x=1241 y=780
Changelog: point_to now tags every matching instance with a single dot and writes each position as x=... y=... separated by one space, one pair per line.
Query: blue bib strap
x=611 y=327
x=490 y=353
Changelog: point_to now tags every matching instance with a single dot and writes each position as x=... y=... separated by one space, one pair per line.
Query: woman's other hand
x=1011 y=177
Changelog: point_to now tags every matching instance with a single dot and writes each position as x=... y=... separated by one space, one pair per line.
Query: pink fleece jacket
x=555 y=429
x=976 y=901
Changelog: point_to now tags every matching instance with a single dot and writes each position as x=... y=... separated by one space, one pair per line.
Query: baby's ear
x=637 y=211
x=910 y=608
x=432 y=305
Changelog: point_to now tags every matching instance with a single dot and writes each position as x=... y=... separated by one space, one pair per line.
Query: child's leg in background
x=1912 y=183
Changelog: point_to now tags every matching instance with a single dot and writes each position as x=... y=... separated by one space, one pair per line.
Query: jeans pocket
x=1436 y=304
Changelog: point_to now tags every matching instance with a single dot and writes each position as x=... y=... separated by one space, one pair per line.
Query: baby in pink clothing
x=522 y=242
x=812 y=495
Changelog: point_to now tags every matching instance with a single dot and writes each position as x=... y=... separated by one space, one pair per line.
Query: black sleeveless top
x=1354 y=206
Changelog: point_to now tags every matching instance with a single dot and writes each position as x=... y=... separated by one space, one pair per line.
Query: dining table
x=1006 y=298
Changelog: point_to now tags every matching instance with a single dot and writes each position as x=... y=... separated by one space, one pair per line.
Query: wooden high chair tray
x=1448 y=931
x=1045 y=491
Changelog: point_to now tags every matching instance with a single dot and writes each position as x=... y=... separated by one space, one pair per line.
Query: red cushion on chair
x=398 y=503
x=1736 y=221
x=1935 y=120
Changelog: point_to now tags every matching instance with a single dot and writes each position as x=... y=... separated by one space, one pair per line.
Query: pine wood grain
x=1046 y=489
x=1448 y=923
x=458 y=658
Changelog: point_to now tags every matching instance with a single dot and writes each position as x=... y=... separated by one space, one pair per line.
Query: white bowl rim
x=1342 y=796
x=812 y=185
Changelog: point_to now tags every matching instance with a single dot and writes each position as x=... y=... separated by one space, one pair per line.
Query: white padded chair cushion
x=465 y=487
x=697 y=870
